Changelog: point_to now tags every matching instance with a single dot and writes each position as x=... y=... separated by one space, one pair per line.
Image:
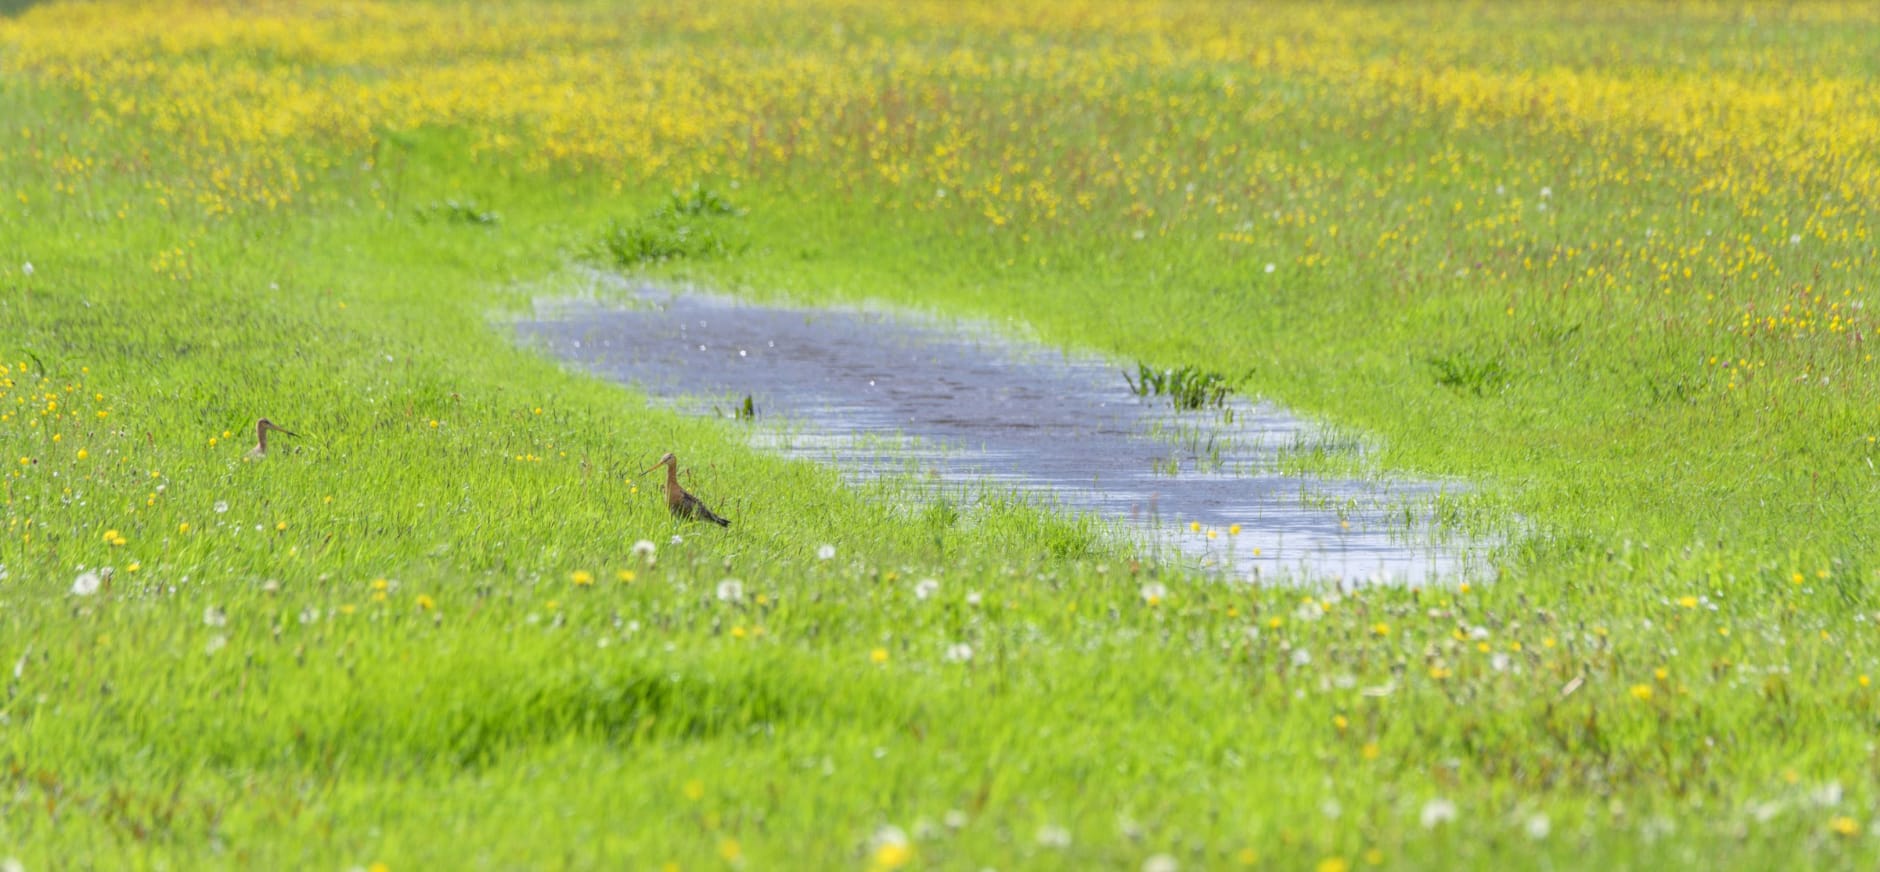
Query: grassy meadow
x=1614 y=266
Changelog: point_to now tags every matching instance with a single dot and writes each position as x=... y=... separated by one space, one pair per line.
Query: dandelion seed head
x=1437 y=812
x=86 y=584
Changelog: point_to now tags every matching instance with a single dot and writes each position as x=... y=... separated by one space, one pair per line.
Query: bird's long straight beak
x=651 y=468
x=279 y=429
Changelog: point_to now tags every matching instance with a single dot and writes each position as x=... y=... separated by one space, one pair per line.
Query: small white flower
x=959 y=652
x=1437 y=812
x=309 y=614
x=1271 y=267
x=12 y=864
x=644 y=549
x=1160 y=863
x=216 y=643
x=86 y=584
x=926 y=588
x=1500 y=662
x=954 y=819
x=1154 y=592
x=214 y=617
x=27 y=267
x=972 y=597
x=731 y=590
x=888 y=836
x=1795 y=239
x=827 y=552
x=1538 y=827
x=221 y=506
x=1828 y=795
x=1547 y=192
x=678 y=539
x=1054 y=836
x=1301 y=657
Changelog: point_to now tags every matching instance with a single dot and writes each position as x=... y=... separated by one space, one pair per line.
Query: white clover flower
x=214 y=617
x=86 y=584
x=959 y=652
x=731 y=590
x=1160 y=863
x=926 y=588
x=1437 y=812
x=888 y=836
x=826 y=552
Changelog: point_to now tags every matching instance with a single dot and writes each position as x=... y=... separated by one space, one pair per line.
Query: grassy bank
x=1613 y=267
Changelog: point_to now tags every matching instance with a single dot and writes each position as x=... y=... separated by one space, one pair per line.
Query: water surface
x=885 y=394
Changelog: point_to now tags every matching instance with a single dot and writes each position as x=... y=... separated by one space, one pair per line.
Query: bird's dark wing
x=695 y=509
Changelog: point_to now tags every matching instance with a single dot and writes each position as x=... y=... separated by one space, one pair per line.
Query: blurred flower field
x=1613 y=266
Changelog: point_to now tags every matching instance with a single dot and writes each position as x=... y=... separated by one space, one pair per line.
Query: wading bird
x=680 y=503
x=261 y=437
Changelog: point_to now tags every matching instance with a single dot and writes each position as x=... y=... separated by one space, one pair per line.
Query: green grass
x=489 y=711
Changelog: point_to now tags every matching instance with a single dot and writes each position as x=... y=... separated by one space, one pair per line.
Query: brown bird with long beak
x=681 y=504
x=261 y=437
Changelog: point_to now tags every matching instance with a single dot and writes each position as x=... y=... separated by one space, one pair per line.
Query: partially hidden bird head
x=264 y=425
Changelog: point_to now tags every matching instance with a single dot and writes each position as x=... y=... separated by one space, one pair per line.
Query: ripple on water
x=878 y=395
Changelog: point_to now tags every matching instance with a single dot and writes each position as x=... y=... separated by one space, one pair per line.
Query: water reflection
x=879 y=395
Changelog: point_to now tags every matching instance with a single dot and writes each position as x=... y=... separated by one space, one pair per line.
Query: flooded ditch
x=962 y=408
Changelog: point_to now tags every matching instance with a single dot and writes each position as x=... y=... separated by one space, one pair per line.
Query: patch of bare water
x=879 y=394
